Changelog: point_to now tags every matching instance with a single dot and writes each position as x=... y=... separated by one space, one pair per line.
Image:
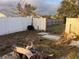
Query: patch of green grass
x=57 y=28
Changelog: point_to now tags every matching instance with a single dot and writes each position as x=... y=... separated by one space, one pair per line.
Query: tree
x=68 y=8
x=27 y=10
x=47 y=16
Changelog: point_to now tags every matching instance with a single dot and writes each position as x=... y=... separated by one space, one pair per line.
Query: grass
x=56 y=28
x=72 y=53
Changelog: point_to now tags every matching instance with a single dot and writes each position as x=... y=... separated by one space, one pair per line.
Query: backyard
x=45 y=45
x=39 y=29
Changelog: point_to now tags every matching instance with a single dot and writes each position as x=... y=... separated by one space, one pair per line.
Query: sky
x=43 y=6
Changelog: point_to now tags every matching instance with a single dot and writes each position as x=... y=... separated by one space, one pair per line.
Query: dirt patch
x=22 y=38
x=18 y=39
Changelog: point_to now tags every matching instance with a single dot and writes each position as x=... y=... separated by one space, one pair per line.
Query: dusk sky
x=43 y=6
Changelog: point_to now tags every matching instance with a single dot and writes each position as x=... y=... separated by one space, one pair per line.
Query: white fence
x=16 y=24
x=54 y=21
x=39 y=23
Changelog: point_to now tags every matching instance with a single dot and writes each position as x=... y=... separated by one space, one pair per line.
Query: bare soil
x=22 y=38
x=18 y=39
